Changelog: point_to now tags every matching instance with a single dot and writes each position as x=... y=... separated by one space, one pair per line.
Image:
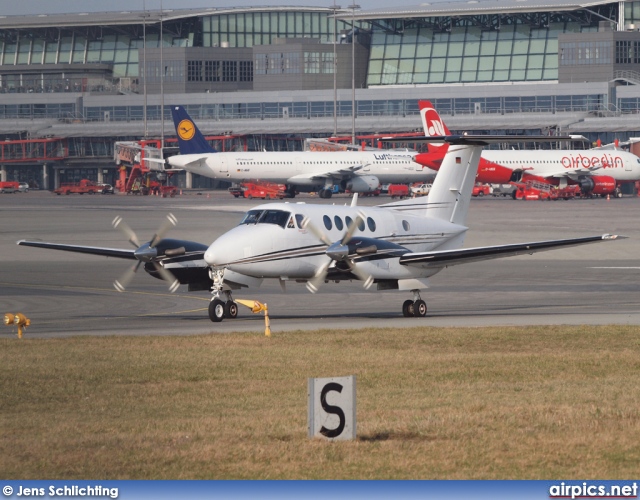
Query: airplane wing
x=341 y=173
x=445 y=258
x=106 y=252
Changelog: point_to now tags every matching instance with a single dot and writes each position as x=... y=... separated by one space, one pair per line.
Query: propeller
x=339 y=251
x=148 y=252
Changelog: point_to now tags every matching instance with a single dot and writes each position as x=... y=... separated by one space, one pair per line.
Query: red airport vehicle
x=9 y=187
x=398 y=190
x=375 y=192
x=82 y=187
x=257 y=189
x=541 y=191
x=481 y=190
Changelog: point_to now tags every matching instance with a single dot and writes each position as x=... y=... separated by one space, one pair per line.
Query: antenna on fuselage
x=354 y=200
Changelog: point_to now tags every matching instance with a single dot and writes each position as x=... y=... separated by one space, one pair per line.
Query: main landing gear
x=414 y=308
x=218 y=308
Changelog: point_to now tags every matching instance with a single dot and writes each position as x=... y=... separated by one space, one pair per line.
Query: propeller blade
x=168 y=277
x=352 y=228
x=364 y=276
x=314 y=284
x=307 y=224
x=119 y=223
x=121 y=283
x=170 y=222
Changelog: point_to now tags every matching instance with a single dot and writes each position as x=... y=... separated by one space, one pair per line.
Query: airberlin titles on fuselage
x=592 y=161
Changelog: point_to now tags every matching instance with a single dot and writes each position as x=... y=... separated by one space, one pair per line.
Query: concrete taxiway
x=68 y=294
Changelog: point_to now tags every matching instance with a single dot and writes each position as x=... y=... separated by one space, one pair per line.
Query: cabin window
x=348 y=221
x=327 y=222
x=405 y=225
x=360 y=224
x=372 y=224
x=299 y=219
x=338 y=222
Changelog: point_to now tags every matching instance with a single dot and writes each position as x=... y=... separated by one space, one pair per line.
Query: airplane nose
x=209 y=256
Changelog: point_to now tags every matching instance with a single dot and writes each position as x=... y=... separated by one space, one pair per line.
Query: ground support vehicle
x=9 y=187
x=532 y=190
x=375 y=192
x=236 y=191
x=82 y=187
x=481 y=190
x=264 y=190
x=503 y=190
x=398 y=191
x=420 y=190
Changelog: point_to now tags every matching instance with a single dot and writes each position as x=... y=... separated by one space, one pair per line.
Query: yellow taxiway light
x=257 y=307
x=18 y=319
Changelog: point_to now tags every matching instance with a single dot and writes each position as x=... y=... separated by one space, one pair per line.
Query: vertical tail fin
x=431 y=121
x=433 y=125
x=190 y=139
x=450 y=194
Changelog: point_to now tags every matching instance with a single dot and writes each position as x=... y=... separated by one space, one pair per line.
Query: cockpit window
x=251 y=217
x=279 y=217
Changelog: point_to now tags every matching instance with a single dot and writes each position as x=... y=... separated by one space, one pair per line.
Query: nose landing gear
x=414 y=308
x=218 y=308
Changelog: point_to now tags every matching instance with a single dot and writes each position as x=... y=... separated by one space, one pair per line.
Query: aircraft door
x=366 y=164
x=223 y=164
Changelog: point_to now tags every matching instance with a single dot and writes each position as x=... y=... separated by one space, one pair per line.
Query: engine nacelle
x=361 y=184
x=597 y=184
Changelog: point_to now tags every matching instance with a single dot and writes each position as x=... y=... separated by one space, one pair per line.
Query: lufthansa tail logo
x=186 y=130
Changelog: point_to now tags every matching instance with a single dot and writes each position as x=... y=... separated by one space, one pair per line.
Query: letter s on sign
x=335 y=410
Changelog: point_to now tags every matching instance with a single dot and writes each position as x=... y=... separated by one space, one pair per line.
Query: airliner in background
x=596 y=171
x=358 y=172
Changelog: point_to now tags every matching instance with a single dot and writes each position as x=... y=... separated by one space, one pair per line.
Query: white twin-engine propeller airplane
x=396 y=246
x=357 y=171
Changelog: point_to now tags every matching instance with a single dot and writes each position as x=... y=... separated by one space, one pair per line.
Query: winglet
x=613 y=237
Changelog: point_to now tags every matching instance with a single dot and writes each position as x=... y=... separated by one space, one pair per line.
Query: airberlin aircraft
x=598 y=172
x=359 y=172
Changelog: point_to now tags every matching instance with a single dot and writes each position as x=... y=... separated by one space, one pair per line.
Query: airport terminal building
x=72 y=85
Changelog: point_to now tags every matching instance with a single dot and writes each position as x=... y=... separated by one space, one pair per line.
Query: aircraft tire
x=230 y=309
x=419 y=308
x=216 y=310
x=407 y=308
